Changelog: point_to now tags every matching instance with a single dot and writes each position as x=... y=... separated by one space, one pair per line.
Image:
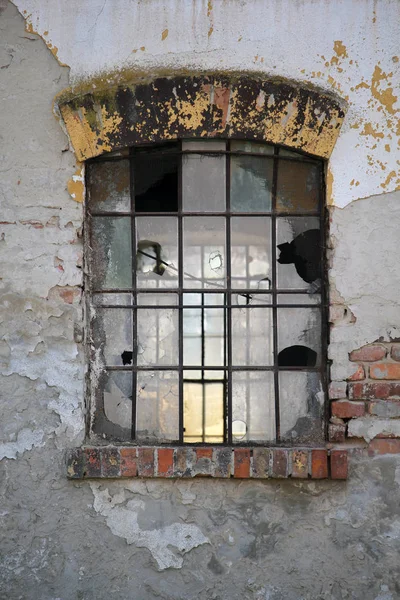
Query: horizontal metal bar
x=205 y=306
x=211 y=368
x=161 y=214
x=176 y=290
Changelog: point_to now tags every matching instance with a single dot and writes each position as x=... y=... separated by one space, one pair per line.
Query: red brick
x=222 y=462
x=339 y=465
x=368 y=354
x=337 y=433
x=92 y=462
x=261 y=463
x=319 y=464
x=204 y=453
x=279 y=462
x=384 y=446
x=347 y=410
x=75 y=464
x=395 y=353
x=241 y=462
x=128 y=462
x=183 y=462
x=337 y=389
x=300 y=464
x=374 y=391
x=165 y=462
x=146 y=462
x=358 y=375
x=110 y=462
x=385 y=371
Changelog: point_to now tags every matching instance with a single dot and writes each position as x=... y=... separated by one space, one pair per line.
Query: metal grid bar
x=180 y=315
x=274 y=296
x=134 y=315
x=228 y=421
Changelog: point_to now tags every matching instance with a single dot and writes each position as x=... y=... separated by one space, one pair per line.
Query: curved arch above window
x=184 y=106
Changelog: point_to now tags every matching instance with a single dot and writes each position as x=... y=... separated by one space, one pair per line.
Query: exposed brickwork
x=385 y=371
x=384 y=446
x=368 y=354
x=347 y=410
x=337 y=432
x=339 y=467
x=187 y=462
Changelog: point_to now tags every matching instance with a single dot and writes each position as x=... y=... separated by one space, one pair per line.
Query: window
x=206 y=295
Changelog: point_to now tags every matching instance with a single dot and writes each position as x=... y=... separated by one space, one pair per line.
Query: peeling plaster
x=166 y=544
x=26 y=440
x=368 y=428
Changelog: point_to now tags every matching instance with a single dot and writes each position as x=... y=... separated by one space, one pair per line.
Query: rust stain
x=369 y=130
x=385 y=97
x=164 y=34
x=76 y=186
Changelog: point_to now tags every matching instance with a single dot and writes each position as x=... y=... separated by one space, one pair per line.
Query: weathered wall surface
x=147 y=539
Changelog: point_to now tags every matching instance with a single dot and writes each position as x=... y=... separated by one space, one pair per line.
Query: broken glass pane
x=250 y=251
x=156 y=179
x=157 y=336
x=117 y=398
x=299 y=337
x=252 y=340
x=157 y=406
x=111 y=265
x=298 y=187
x=299 y=253
x=157 y=252
x=203 y=408
x=253 y=406
x=203 y=177
x=204 y=252
x=112 y=333
x=301 y=400
x=253 y=147
x=251 y=184
x=109 y=186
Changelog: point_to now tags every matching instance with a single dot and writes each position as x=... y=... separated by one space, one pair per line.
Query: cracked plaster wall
x=184 y=539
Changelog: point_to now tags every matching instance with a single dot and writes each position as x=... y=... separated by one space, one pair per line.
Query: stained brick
x=368 y=354
x=385 y=371
x=347 y=410
x=358 y=375
x=395 y=353
x=300 y=464
x=279 y=462
x=242 y=462
x=337 y=389
x=384 y=446
x=204 y=453
x=146 y=462
x=374 y=391
x=110 y=462
x=222 y=462
x=386 y=409
x=261 y=463
x=92 y=462
x=165 y=458
x=128 y=462
x=339 y=465
x=319 y=464
x=337 y=432
x=180 y=462
x=75 y=464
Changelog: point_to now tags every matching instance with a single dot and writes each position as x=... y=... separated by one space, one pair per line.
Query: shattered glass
x=250 y=251
x=157 y=406
x=301 y=401
x=117 y=398
x=109 y=186
x=253 y=406
x=156 y=252
x=204 y=252
x=299 y=329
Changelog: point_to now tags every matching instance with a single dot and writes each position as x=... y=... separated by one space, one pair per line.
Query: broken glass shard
x=299 y=253
x=157 y=252
x=157 y=406
x=301 y=400
x=300 y=330
x=204 y=252
x=157 y=336
x=108 y=188
x=156 y=179
x=117 y=398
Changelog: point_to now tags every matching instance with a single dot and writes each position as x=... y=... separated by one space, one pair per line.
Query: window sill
x=118 y=462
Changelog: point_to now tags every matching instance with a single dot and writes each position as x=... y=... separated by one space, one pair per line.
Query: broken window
x=206 y=294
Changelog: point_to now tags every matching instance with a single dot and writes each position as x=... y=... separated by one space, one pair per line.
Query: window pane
x=204 y=252
x=203 y=177
x=299 y=253
x=204 y=408
x=250 y=251
x=203 y=336
x=299 y=299
x=299 y=337
x=117 y=400
x=252 y=340
x=298 y=187
x=109 y=186
x=157 y=336
x=112 y=334
x=245 y=146
x=115 y=299
x=251 y=184
x=301 y=400
x=156 y=179
x=157 y=252
x=157 y=406
x=111 y=265
x=253 y=406
x=149 y=299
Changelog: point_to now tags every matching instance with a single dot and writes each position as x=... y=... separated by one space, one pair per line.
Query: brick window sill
x=118 y=462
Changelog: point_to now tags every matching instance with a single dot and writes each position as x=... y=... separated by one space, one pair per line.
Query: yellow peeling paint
x=340 y=49
x=388 y=179
x=164 y=34
x=76 y=185
x=387 y=147
x=385 y=97
x=53 y=49
x=369 y=130
x=210 y=31
x=329 y=187
x=362 y=84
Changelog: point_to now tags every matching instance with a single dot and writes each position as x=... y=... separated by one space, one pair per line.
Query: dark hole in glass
x=304 y=251
x=156 y=180
x=297 y=356
x=127 y=357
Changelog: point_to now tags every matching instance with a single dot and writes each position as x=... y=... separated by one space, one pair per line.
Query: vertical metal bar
x=180 y=286
x=274 y=294
x=203 y=389
x=228 y=433
x=134 y=293
x=324 y=225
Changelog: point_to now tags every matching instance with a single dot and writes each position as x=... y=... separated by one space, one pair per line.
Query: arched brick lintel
x=203 y=106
